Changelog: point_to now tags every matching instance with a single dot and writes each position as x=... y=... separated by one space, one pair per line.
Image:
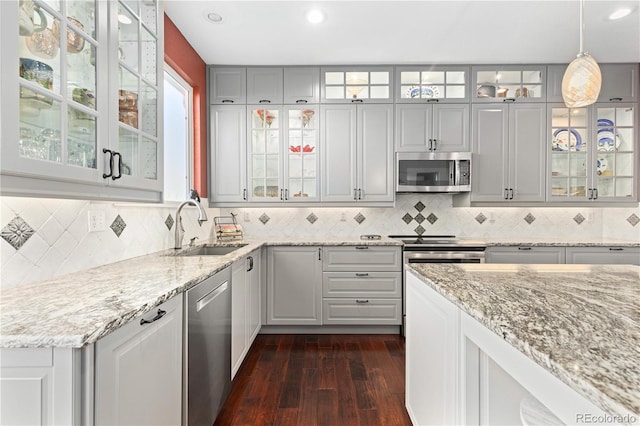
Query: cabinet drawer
x=362 y=258
x=362 y=311
x=362 y=284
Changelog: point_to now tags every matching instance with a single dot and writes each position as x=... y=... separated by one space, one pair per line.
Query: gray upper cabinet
x=508 y=153
x=264 y=85
x=619 y=83
x=227 y=85
x=554 y=82
x=430 y=128
x=227 y=154
x=508 y=83
x=432 y=84
x=301 y=85
x=356 y=85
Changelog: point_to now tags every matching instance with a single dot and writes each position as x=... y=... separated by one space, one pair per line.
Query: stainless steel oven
x=437 y=249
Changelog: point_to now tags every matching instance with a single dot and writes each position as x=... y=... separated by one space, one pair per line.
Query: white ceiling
x=407 y=32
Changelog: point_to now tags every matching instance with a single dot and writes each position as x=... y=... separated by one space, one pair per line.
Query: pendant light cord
x=581 y=27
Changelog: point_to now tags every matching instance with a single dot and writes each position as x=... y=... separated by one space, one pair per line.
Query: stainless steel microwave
x=433 y=172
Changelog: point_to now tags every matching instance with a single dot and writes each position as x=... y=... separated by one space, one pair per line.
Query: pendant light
x=582 y=79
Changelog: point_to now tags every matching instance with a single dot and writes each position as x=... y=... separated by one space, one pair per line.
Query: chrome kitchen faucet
x=202 y=217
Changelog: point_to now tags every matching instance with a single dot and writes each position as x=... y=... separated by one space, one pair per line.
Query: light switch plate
x=97 y=221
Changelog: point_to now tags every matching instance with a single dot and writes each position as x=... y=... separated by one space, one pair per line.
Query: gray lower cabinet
x=525 y=254
x=604 y=255
x=138 y=370
x=294 y=285
x=362 y=285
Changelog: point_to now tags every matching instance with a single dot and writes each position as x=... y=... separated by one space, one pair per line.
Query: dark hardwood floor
x=324 y=380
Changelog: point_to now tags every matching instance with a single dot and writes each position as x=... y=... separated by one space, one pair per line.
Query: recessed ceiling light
x=620 y=13
x=124 y=19
x=214 y=17
x=315 y=16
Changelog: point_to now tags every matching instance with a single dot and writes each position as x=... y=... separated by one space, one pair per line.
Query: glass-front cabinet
x=58 y=99
x=283 y=154
x=432 y=84
x=592 y=154
x=508 y=83
x=357 y=85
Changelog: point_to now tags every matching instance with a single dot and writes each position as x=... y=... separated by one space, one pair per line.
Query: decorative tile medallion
x=633 y=219
x=578 y=219
x=481 y=218
x=419 y=218
x=432 y=218
x=419 y=206
x=169 y=222
x=407 y=218
x=359 y=218
x=118 y=226
x=17 y=232
x=312 y=218
x=419 y=230
x=264 y=218
x=529 y=218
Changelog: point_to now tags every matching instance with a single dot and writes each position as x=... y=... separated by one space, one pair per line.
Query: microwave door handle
x=456 y=167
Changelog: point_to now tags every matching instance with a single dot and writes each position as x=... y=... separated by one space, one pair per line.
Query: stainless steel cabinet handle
x=208 y=298
x=361 y=301
x=104 y=175
x=362 y=274
x=301 y=101
x=264 y=101
x=159 y=315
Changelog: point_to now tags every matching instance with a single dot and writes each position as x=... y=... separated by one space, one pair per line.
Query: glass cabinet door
x=301 y=147
x=58 y=96
x=614 y=153
x=569 y=148
x=432 y=84
x=515 y=83
x=264 y=154
x=137 y=152
x=357 y=84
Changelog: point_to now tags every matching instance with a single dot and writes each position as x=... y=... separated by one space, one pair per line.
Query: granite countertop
x=580 y=322
x=77 y=309
x=559 y=242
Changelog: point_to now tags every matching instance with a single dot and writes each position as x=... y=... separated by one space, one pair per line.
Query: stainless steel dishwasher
x=207 y=349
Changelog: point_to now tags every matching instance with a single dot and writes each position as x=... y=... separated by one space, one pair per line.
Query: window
x=178 y=137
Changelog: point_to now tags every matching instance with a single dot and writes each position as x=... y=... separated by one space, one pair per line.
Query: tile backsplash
x=43 y=238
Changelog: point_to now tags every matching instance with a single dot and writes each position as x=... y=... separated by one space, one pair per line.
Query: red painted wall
x=179 y=54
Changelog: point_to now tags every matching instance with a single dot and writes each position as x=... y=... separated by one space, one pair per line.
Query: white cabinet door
x=375 y=153
x=432 y=354
x=239 y=324
x=338 y=144
x=138 y=370
x=490 y=152
x=413 y=127
x=294 y=286
x=264 y=85
x=604 y=255
x=227 y=85
x=525 y=255
x=619 y=83
x=527 y=152
x=254 y=284
x=450 y=128
x=228 y=157
x=301 y=85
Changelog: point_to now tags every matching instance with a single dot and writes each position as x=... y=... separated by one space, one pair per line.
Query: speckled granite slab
x=560 y=242
x=580 y=322
x=77 y=309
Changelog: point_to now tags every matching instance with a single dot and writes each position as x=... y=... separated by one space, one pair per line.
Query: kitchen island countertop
x=77 y=309
x=579 y=322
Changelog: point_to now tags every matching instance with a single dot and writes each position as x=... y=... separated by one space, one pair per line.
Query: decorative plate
x=565 y=139
x=604 y=122
x=427 y=92
x=607 y=141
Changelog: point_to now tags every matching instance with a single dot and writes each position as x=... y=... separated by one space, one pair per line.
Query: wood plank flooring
x=323 y=380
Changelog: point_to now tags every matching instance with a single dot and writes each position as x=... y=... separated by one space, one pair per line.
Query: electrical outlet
x=97 y=221
x=343 y=217
x=246 y=216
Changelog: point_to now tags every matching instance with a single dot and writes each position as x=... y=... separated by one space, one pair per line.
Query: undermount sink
x=212 y=250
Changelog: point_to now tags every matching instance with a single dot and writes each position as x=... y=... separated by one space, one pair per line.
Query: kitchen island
x=567 y=334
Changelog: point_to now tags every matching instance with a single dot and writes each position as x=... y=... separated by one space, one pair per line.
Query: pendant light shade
x=582 y=79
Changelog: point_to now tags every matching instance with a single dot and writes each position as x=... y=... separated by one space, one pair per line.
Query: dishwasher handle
x=209 y=297
x=159 y=315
